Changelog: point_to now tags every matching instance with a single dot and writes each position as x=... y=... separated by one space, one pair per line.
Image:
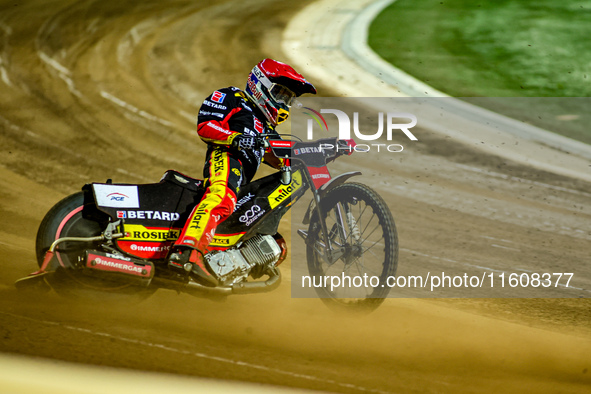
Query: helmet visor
x=281 y=94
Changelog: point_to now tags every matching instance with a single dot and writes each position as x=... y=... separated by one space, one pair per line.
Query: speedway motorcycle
x=113 y=240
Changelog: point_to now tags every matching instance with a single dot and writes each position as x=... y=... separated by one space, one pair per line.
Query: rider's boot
x=190 y=260
x=217 y=203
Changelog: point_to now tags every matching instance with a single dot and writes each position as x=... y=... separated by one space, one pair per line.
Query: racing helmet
x=273 y=86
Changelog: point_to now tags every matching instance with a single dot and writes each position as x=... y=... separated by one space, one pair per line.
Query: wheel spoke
x=370 y=234
x=368 y=223
x=367 y=270
x=359 y=220
x=372 y=245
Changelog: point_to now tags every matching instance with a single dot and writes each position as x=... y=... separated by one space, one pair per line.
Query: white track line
x=146 y=344
x=497 y=239
x=22 y=374
x=62 y=72
x=190 y=117
x=135 y=110
x=54 y=63
x=521 y=180
x=4 y=75
x=504 y=247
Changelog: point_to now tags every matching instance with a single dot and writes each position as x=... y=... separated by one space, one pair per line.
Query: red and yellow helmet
x=273 y=86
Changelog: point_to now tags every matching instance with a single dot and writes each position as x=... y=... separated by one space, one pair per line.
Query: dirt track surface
x=92 y=90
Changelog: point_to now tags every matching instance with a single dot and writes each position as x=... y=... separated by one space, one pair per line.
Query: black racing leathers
x=227 y=113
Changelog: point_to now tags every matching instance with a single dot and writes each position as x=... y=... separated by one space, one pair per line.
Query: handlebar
x=263 y=138
x=330 y=149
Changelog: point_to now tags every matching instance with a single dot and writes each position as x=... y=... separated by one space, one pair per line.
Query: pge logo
x=117 y=197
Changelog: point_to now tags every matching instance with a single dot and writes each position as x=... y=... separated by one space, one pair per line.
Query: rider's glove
x=243 y=141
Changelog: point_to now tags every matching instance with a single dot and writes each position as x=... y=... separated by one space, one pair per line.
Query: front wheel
x=362 y=250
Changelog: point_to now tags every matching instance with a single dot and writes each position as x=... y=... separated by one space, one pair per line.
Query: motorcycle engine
x=253 y=256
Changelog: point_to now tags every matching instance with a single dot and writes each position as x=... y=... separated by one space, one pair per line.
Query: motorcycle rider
x=229 y=121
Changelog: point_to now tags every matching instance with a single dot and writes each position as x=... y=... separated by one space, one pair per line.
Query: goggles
x=281 y=94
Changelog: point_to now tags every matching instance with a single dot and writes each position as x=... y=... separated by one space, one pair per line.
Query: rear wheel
x=363 y=251
x=65 y=220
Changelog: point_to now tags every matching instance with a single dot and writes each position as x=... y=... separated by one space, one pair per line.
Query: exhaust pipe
x=240 y=288
x=259 y=287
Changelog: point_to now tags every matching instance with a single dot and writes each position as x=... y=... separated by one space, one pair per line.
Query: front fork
x=331 y=251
